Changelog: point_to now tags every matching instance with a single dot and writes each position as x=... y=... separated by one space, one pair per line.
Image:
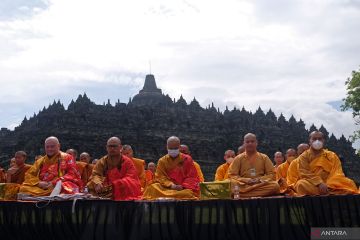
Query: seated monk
x=278 y=159
x=16 y=174
x=175 y=175
x=73 y=153
x=222 y=172
x=253 y=171
x=282 y=169
x=139 y=164
x=41 y=178
x=240 y=150
x=150 y=173
x=85 y=167
x=320 y=171
x=114 y=175
x=293 y=170
x=185 y=149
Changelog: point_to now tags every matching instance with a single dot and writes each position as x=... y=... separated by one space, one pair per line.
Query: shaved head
x=250 y=143
x=52 y=146
x=152 y=167
x=317 y=134
x=114 y=140
x=173 y=139
x=113 y=147
x=184 y=149
x=249 y=136
x=52 y=139
x=241 y=149
x=278 y=158
x=302 y=148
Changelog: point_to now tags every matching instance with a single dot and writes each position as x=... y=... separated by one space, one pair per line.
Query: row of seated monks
x=312 y=170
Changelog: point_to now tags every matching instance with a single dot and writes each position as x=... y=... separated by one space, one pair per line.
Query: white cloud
x=292 y=56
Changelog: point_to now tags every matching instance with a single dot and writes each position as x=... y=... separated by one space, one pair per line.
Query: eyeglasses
x=112 y=146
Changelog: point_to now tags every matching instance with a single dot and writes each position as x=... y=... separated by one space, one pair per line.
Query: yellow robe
x=293 y=173
x=199 y=172
x=241 y=170
x=140 y=168
x=222 y=172
x=324 y=168
x=160 y=188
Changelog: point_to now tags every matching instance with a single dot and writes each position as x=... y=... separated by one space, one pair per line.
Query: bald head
x=52 y=146
x=316 y=140
x=113 y=147
x=278 y=158
x=184 y=149
x=85 y=157
x=72 y=152
x=302 y=148
x=173 y=140
x=151 y=167
x=250 y=143
x=241 y=149
x=127 y=151
x=114 y=140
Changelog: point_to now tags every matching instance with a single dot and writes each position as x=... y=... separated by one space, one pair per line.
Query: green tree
x=352 y=100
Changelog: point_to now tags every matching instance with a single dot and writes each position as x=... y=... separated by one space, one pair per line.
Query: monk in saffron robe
x=175 y=175
x=240 y=150
x=85 y=167
x=16 y=174
x=222 y=172
x=293 y=170
x=253 y=172
x=150 y=173
x=139 y=164
x=41 y=178
x=282 y=169
x=320 y=171
x=278 y=159
x=185 y=149
x=114 y=175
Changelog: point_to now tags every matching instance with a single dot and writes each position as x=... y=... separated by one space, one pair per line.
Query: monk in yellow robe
x=282 y=170
x=223 y=170
x=114 y=175
x=55 y=166
x=85 y=167
x=175 y=175
x=139 y=164
x=293 y=170
x=320 y=171
x=185 y=149
x=253 y=172
x=16 y=174
x=240 y=150
x=150 y=173
x=278 y=159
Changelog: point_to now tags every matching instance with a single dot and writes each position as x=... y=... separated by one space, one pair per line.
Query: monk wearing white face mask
x=222 y=171
x=320 y=171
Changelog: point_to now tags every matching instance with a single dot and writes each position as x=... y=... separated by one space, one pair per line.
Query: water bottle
x=236 y=192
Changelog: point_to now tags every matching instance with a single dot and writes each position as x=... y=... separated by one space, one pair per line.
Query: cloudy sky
x=291 y=56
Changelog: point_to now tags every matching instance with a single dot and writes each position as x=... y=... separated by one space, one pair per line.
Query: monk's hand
x=176 y=187
x=323 y=189
x=43 y=185
x=98 y=187
x=253 y=181
x=12 y=170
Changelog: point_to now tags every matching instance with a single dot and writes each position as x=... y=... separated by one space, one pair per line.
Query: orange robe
x=324 y=168
x=85 y=170
x=19 y=176
x=199 y=172
x=120 y=182
x=222 y=172
x=293 y=173
x=244 y=168
x=179 y=171
x=149 y=176
x=59 y=167
x=140 y=169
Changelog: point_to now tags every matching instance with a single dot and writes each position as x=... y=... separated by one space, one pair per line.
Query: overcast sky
x=290 y=56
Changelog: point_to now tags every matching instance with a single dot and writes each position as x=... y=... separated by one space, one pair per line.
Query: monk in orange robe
x=150 y=173
x=175 y=175
x=240 y=150
x=114 y=175
x=253 y=172
x=282 y=169
x=320 y=171
x=185 y=149
x=41 y=178
x=293 y=170
x=139 y=164
x=16 y=174
x=278 y=159
x=85 y=167
x=222 y=171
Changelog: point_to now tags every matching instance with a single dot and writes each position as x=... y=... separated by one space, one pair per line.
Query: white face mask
x=317 y=144
x=173 y=152
x=229 y=160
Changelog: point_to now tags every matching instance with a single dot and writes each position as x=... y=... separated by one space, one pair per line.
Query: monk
x=240 y=150
x=73 y=153
x=85 y=167
x=55 y=166
x=222 y=171
x=150 y=173
x=114 y=175
x=278 y=159
x=139 y=164
x=185 y=149
x=175 y=175
x=320 y=171
x=293 y=170
x=16 y=174
x=282 y=169
x=253 y=171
